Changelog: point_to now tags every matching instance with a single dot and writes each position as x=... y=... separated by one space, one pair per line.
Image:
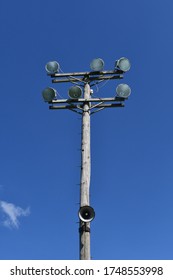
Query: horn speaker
x=86 y=214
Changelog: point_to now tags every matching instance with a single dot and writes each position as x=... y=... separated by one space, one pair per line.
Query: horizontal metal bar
x=106 y=77
x=89 y=79
x=111 y=105
x=63 y=107
x=86 y=73
x=67 y=80
x=76 y=107
x=80 y=100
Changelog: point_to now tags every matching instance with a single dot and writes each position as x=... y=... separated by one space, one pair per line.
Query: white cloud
x=12 y=214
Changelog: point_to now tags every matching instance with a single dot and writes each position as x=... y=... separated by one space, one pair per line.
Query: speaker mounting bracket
x=84 y=228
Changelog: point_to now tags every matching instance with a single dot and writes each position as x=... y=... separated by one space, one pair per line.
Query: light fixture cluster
x=97 y=66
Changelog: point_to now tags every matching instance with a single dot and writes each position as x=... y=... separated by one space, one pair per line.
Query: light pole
x=84 y=229
x=83 y=103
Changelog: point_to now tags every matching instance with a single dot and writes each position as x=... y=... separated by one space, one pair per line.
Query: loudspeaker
x=86 y=214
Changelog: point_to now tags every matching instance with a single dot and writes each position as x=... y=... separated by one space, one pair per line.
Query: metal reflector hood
x=75 y=92
x=49 y=94
x=52 y=67
x=123 y=64
x=123 y=90
x=97 y=64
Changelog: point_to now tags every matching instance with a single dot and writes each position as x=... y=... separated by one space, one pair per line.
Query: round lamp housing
x=49 y=94
x=52 y=67
x=75 y=92
x=123 y=90
x=97 y=64
x=123 y=64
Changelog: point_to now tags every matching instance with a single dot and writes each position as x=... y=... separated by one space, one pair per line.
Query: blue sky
x=132 y=151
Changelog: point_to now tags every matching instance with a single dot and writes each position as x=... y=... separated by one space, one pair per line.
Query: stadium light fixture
x=97 y=64
x=123 y=64
x=49 y=94
x=52 y=67
x=123 y=90
x=75 y=92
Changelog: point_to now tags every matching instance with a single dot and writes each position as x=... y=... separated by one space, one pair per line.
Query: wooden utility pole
x=86 y=105
x=84 y=230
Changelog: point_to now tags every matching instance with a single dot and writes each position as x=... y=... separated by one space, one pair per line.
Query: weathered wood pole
x=84 y=229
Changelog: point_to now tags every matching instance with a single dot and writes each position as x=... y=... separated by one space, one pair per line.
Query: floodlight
x=49 y=94
x=97 y=64
x=123 y=64
x=123 y=90
x=52 y=67
x=75 y=92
